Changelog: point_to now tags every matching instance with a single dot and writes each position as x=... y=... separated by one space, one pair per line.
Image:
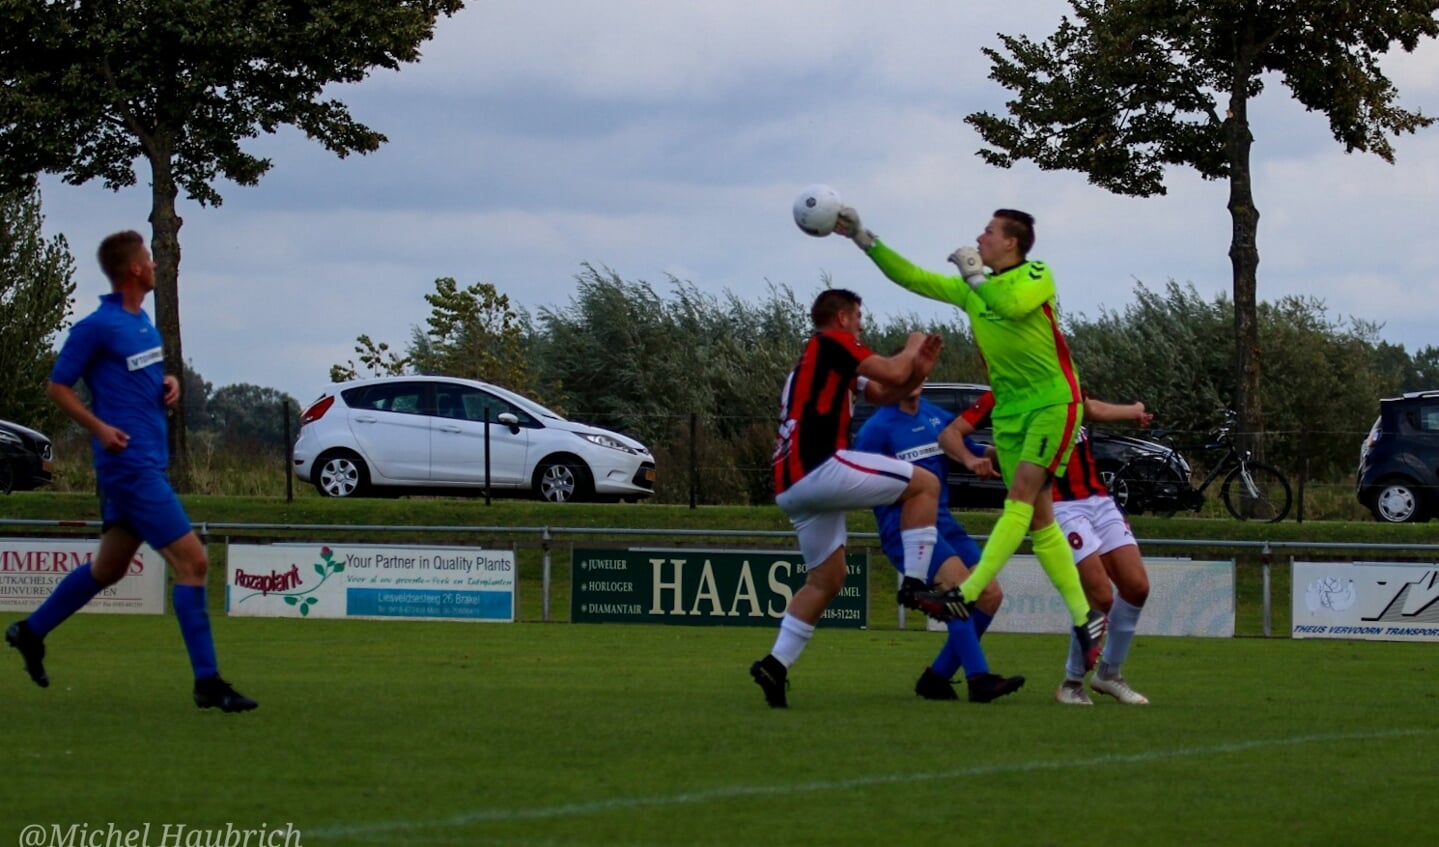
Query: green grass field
x=376 y=732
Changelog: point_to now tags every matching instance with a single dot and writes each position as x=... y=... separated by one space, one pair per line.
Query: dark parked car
x=968 y=491
x=25 y=458
x=1398 y=476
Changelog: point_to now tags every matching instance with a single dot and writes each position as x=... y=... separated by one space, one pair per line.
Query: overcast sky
x=661 y=139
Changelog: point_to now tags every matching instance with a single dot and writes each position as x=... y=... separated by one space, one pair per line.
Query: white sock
x=1123 y=621
x=918 y=551
x=794 y=635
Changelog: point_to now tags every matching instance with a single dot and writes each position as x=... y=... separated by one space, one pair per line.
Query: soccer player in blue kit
x=918 y=431
x=117 y=351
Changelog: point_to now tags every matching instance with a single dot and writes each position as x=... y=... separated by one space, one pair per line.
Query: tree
x=1136 y=86
x=93 y=87
x=378 y=359
x=37 y=290
x=253 y=416
x=474 y=333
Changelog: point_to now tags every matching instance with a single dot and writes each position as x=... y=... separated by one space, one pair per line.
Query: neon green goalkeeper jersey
x=1015 y=322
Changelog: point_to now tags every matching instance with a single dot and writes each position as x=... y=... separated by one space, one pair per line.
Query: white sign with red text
x=1375 y=601
x=30 y=569
x=370 y=581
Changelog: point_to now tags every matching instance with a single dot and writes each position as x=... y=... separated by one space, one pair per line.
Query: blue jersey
x=914 y=438
x=121 y=359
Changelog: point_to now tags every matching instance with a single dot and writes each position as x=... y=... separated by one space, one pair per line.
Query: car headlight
x=603 y=440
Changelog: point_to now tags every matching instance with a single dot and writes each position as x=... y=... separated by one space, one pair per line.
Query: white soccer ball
x=816 y=210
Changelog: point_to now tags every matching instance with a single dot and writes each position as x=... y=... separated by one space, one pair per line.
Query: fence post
x=1265 y=558
x=899 y=585
x=1303 y=474
x=694 y=459
x=545 y=579
x=289 y=453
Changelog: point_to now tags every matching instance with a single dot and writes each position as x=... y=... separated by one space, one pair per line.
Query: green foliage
x=474 y=333
x=1173 y=351
x=1129 y=88
x=1167 y=348
x=37 y=291
x=378 y=360
x=245 y=415
x=93 y=87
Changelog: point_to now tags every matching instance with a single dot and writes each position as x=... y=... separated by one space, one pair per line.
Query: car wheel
x=1398 y=501
x=1107 y=470
x=341 y=475
x=562 y=479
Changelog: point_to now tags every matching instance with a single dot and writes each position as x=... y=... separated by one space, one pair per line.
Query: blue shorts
x=953 y=541
x=143 y=503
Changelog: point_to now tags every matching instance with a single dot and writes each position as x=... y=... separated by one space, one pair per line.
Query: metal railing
x=547 y=535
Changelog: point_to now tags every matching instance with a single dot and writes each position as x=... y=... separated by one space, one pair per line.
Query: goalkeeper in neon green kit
x=1038 y=405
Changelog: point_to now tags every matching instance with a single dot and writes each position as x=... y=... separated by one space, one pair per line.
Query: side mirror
x=511 y=420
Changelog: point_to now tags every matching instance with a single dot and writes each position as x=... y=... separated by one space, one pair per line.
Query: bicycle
x=1162 y=484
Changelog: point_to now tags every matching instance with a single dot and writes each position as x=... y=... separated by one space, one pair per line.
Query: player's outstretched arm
x=1101 y=411
x=954 y=441
x=892 y=378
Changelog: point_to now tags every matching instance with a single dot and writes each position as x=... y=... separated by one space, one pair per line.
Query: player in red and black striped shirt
x=1105 y=552
x=818 y=478
x=1107 y=557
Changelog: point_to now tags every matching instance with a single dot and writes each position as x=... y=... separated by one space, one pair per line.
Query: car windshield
x=525 y=403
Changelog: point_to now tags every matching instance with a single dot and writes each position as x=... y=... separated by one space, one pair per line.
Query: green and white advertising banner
x=703 y=587
x=370 y=581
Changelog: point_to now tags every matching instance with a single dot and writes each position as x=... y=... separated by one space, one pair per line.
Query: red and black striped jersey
x=1081 y=480
x=815 y=405
x=1081 y=477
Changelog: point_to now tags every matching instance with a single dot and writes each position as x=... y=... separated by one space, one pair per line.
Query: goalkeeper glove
x=971 y=267
x=849 y=217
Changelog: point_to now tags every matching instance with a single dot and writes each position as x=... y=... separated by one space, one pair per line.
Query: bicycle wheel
x=1147 y=483
x=1255 y=492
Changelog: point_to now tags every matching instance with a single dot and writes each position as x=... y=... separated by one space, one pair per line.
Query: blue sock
x=961 y=649
x=194 y=620
x=73 y=592
x=982 y=620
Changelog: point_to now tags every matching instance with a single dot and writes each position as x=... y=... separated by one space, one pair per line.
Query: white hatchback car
x=414 y=432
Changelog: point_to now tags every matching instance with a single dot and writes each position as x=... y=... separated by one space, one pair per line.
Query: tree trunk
x=165 y=247
x=1244 y=258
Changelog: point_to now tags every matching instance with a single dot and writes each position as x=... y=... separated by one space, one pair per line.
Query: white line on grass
x=731 y=792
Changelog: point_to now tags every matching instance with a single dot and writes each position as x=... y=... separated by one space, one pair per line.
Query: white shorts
x=1093 y=525
x=848 y=480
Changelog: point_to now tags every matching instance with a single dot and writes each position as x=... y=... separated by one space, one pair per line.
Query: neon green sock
x=1004 y=539
x=1054 y=555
